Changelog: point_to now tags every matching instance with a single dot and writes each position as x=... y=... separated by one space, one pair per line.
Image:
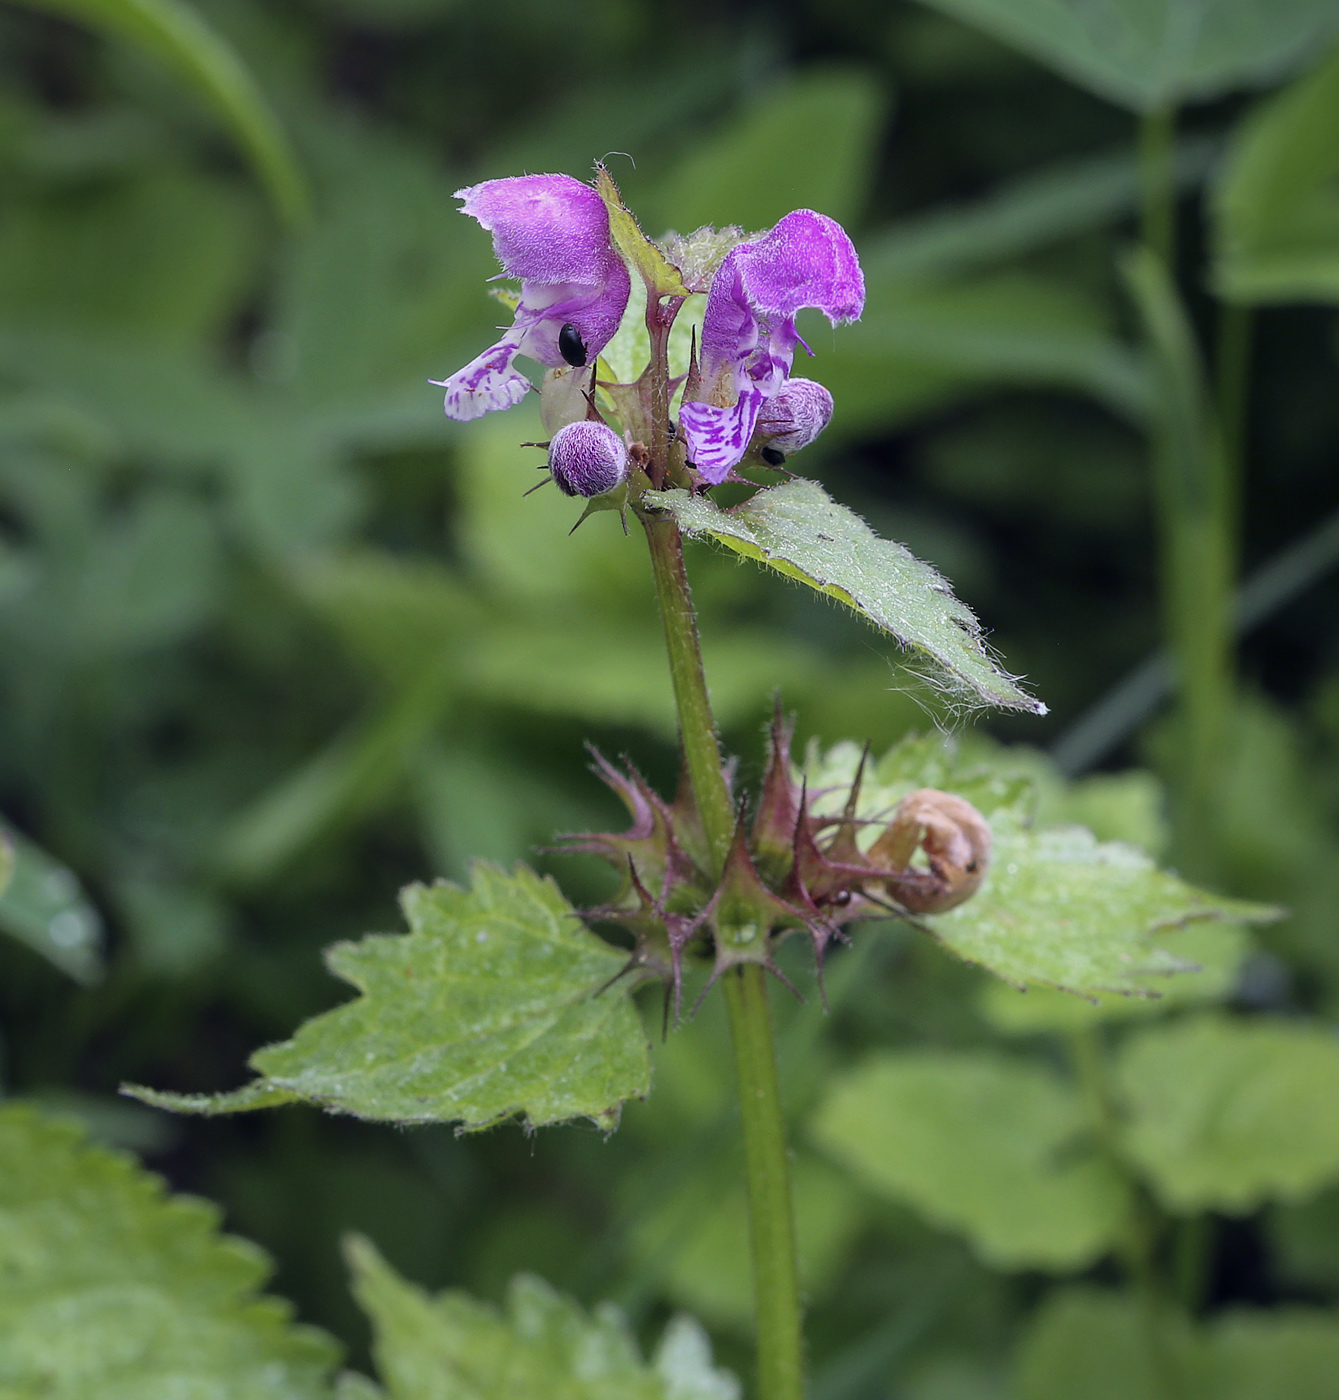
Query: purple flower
x=793 y=418
x=552 y=232
x=749 y=335
x=587 y=459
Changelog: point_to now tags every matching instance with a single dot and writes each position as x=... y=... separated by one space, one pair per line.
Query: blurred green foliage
x=277 y=639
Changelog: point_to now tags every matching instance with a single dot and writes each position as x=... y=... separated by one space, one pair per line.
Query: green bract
x=109 y=1288
x=485 y=1010
x=801 y=532
x=543 y=1347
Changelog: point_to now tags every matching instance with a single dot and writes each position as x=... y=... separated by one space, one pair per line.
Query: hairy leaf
x=1061 y=909
x=659 y=274
x=1276 y=205
x=1149 y=54
x=982 y=1144
x=1057 y=908
x=801 y=532
x=1226 y=1114
x=542 y=1347
x=485 y=1010
x=110 y=1287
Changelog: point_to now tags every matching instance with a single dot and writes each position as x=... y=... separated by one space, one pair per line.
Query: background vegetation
x=278 y=639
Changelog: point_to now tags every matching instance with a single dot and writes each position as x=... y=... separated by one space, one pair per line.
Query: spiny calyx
x=788 y=868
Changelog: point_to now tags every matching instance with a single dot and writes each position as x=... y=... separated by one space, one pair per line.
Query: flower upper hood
x=749 y=335
x=552 y=232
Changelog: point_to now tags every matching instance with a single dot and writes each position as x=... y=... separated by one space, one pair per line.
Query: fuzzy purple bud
x=793 y=418
x=749 y=336
x=552 y=232
x=587 y=459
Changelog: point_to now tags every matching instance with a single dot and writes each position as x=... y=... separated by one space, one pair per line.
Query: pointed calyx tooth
x=955 y=840
x=779 y=802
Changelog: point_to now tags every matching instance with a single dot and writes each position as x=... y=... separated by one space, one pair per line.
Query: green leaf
x=110 y=1287
x=175 y=33
x=1225 y=1114
x=489 y=1008
x=801 y=532
x=1213 y=954
x=1150 y=54
x=1089 y=1343
x=1276 y=203
x=695 y=1240
x=1061 y=909
x=981 y=1144
x=765 y=163
x=1094 y=1344
x=656 y=271
x=542 y=1347
x=1057 y=908
x=44 y=906
x=922 y=345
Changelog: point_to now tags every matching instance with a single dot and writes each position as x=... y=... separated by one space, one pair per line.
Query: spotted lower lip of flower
x=552 y=232
x=749 y=336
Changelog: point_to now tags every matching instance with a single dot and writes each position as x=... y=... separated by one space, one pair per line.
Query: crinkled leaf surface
x=982 y=1144
x=1276 y=205
x=487 y=1009
x=112 y=1290
x=541 y=1347
x=1147 y=54
x=801 y=532
x=1214 y=951
x=1057 y=908
x=1225 y=1114
x=1090 y=1343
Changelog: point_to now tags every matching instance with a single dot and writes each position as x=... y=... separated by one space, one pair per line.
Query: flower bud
x=587 y=459
x=955 y=840
x=794 y=417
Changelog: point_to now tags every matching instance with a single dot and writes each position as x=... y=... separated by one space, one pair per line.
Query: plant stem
x=776 y=1282
x=1233 y=372
x=697 y=727
x=771 y=1217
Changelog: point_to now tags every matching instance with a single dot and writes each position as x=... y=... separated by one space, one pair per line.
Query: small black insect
x=772 y=456
x=571 y=346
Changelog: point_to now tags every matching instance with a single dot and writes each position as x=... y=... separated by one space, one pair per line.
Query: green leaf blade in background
x=1093 y=1343
x=801 y=532
x=1154 y=54
x=542 y=1347
x=486 y=1010
x=980 y=1144
x=1225 y=1114
x=44 y=907
x=175 y=33
x=1275 y=204
x=109 y=1287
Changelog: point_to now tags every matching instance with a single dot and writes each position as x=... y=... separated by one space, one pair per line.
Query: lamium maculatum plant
x=503 y=1001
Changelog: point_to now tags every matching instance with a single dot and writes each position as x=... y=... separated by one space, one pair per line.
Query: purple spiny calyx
x=787 y=870
x=588 y=459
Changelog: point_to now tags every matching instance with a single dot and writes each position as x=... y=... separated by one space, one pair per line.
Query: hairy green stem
x=771 y=1215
